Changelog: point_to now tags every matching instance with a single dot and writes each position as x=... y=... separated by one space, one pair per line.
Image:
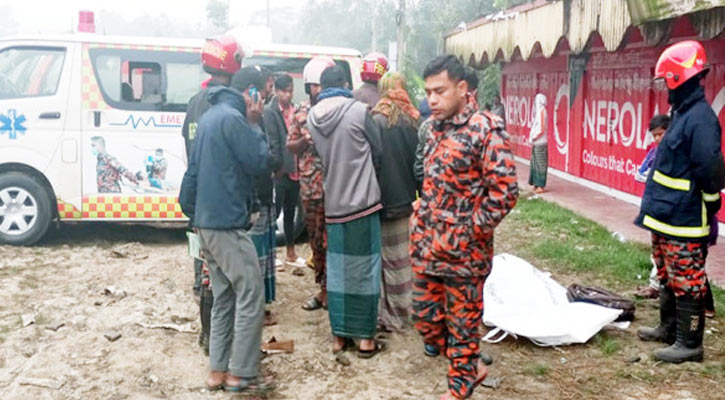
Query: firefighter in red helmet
x=681 y=198
x=221 y=57
x=374 y=66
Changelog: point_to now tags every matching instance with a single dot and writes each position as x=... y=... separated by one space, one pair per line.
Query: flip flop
x=251 y=387
x=367 y=354
x=312 y=304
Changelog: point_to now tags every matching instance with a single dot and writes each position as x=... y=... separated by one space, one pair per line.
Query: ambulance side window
x=30 y=71
x=147 y=80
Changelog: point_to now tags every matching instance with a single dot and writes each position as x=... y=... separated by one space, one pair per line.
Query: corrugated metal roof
x=544 y=23
x=520 y=30
x=656 y=10
x=547 y=22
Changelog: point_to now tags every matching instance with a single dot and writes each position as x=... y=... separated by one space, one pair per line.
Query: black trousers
x=287 y=196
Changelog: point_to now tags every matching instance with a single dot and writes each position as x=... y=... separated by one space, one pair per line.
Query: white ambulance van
x=90 y=125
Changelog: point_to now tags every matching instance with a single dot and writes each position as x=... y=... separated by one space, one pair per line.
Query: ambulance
x=90 y=125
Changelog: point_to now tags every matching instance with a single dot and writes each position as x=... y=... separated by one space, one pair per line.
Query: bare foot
x=367 y=344
x=338 y=344
x=215 y=380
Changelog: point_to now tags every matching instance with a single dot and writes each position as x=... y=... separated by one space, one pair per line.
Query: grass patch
x=608 y=346
x=537 y=370
x=559 y=236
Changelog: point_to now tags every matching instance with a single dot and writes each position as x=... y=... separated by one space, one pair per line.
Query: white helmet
x=313 y=70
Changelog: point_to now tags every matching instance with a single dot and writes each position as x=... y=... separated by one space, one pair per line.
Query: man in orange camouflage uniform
x=299 y=142
x=469 y=186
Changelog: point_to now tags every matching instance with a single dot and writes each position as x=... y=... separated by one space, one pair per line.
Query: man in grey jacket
x=349 y=145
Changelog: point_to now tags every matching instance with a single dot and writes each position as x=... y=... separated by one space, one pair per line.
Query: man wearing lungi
x=348 y=142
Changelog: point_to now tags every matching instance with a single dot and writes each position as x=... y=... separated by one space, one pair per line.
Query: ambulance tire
x=16 y=186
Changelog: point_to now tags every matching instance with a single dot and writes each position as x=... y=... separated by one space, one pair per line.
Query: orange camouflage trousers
x=680 y=265
x=447 y=313
x=315 y=224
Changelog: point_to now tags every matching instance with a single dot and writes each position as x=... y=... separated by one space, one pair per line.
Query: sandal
x=312 y=304
x=380 y=347
x=251 y=387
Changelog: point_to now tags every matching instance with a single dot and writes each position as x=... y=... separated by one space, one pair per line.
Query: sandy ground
x=64 y=279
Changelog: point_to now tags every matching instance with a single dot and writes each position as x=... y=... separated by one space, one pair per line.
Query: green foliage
x=581 y=244
x=608 y=346
x=350 y=24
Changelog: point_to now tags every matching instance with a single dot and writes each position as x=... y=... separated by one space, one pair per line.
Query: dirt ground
x=64 y=279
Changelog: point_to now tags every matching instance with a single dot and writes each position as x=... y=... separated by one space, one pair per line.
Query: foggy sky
x=62 y=16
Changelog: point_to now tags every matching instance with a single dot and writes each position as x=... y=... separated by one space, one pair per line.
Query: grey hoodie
x=349 y=145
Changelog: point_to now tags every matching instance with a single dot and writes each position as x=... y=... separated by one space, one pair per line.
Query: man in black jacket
x=681 y=198
x=217 y=193
x=278 y=116
x=263 y=233
x=221 y=57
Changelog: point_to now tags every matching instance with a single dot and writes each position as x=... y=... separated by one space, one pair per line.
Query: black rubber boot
x=205 y=305
x=690 y=328
x=665 y=332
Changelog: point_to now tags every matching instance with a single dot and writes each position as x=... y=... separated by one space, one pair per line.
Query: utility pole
x=401 y=35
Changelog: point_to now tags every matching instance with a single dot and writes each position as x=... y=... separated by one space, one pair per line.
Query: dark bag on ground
x=604 y=298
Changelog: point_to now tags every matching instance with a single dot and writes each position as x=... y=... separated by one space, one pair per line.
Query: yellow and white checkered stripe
x=131 y=207
x=67 y=211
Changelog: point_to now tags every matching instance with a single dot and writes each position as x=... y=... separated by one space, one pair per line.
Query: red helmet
x=222 y=54
x=681 y=62
x=313 y=69
x=374 y=66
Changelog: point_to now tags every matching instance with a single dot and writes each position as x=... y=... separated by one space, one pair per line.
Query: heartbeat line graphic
x=137 y=121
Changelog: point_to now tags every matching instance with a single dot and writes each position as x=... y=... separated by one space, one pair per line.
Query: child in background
x=657 y=127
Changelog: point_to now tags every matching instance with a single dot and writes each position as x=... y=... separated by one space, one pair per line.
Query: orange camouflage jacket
x=469 y=186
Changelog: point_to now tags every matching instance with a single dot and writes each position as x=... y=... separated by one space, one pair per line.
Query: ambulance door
x=34 y=90
x=133 y=151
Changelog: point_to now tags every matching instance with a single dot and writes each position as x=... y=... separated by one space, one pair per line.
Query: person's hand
x=254 y=108
x=308 y=140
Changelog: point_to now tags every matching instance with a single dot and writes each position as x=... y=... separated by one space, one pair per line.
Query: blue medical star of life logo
x=12 y=124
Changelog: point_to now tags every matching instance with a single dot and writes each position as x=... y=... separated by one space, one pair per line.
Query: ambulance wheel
x=25 y=212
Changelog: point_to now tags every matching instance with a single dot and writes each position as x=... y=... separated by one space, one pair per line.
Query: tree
x=218 y=13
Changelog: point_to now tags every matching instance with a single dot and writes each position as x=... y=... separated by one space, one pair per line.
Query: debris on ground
x=186 y=328
x=115 y=293
x=27 y=319
x=112 y=336
x=272 y=346
x=54 y=384
x=55 y=326
x=491 y=382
